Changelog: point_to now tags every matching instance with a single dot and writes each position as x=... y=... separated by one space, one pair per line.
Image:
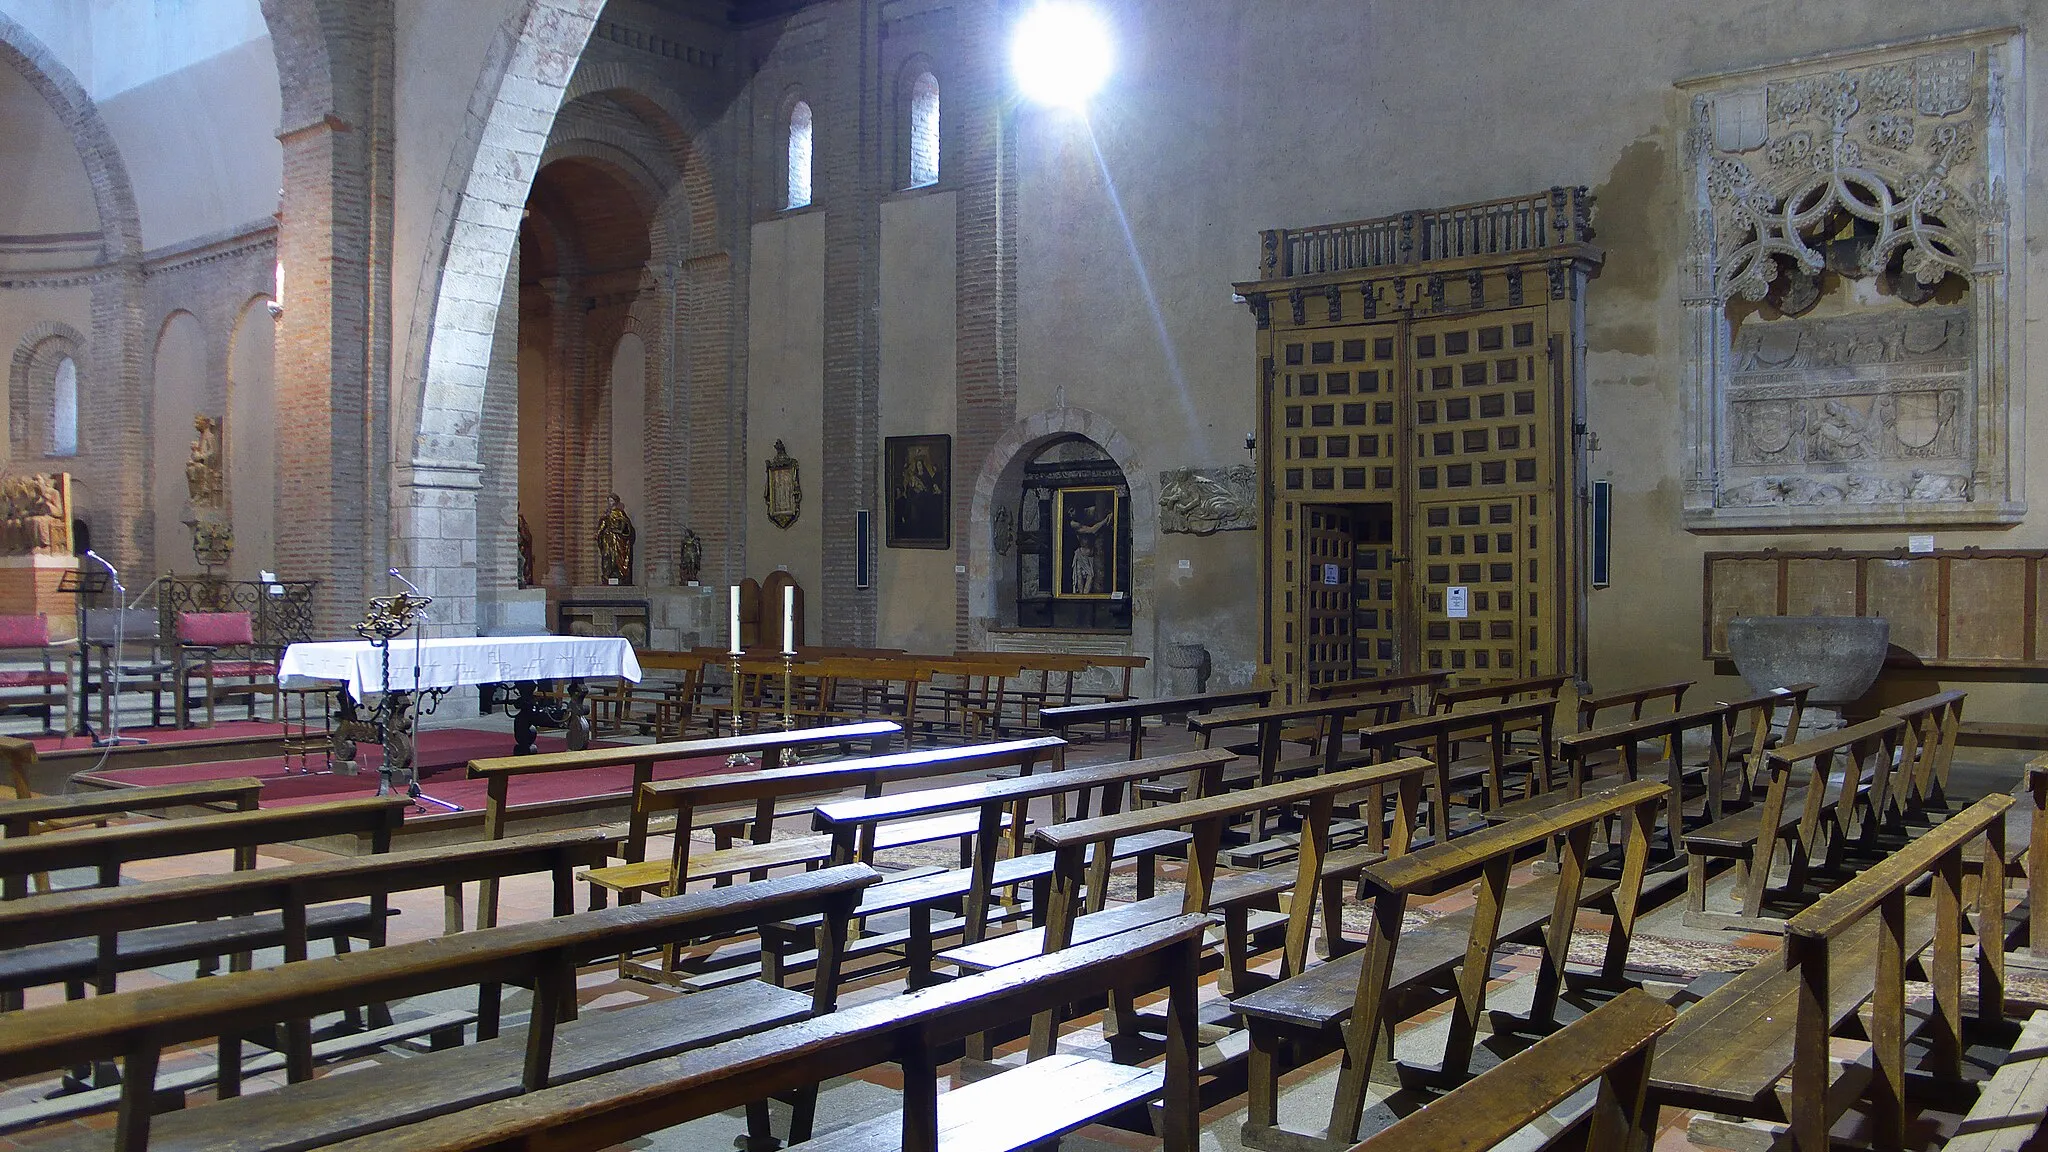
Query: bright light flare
x=1061 y=53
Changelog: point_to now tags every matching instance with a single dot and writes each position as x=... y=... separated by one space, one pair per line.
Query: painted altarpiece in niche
x=1848 y=290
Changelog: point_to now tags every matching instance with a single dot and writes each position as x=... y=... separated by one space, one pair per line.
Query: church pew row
x=1354 y=1001
x=1075 y=912
x=106 y=850
x=1851 y=947
x=1614 y=1044
x=1622 y=746
x=559 y=1045
x=1820 y=792
x=1271 y=721
x=1062 y=720
x=1635 y=700
x=972 y=891
x=34 y=814
x=1754 y=727
x=498 y=772
x=73 y=935
x=1022 y=1107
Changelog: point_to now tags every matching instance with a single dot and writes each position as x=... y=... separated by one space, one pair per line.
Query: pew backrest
x=1927 y=747
x=19 y=817
x=1543 y=687
x=1634 y=699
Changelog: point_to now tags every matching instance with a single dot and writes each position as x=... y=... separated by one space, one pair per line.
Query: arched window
x=924 y=131
x=800 y=155
x=64 y=411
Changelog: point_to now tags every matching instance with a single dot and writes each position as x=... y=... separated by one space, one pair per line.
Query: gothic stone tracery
x=1885 y=174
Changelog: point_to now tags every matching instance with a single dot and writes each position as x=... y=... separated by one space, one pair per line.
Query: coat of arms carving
x=783 y=492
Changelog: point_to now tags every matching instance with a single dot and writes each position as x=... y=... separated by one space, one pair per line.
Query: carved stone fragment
x=1199 y=501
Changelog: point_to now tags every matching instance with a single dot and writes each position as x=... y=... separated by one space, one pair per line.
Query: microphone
x=400 y=577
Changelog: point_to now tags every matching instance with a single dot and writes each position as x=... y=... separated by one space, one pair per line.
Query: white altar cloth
x=456 y=660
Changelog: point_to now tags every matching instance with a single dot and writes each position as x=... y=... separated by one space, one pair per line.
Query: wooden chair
x=220 y=648
x=28 y=637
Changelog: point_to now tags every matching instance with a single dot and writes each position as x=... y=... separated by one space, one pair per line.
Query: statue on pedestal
x=206 y=504
x=615 y=544
x=691 y=560
x=525 y=553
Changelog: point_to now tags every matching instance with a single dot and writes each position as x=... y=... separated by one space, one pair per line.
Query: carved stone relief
x=1198 y=501
x=1885 y=176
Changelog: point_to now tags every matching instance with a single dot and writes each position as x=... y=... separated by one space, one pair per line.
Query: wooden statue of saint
x=615 y=544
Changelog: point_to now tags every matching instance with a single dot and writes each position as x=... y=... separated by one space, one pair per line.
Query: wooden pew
x=39 y=813
x=1612 y=1044
x=1800 y=807
x=1634 y=699
x=1926 y=749
x=1753 y=729
x=1622 y=745
x=1271 y=721
x=1448 y=740
x=1024 y=1107
x=1423 y=687
x=1503 y=692
x=974 y=888
x=766 y=787
x=558 y=1046
x=1062 y=720
x=1081 y=872
x=1355 y=1000
x=106 y=850
x=497 y=773
x=69 y=935
x=1850 y=947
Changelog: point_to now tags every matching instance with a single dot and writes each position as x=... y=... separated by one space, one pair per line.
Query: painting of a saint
x=1085 y=561
x=918 y=471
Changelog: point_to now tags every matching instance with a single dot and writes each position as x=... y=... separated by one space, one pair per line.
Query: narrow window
x=64 y=414
x=924 y=131
x=800 y=155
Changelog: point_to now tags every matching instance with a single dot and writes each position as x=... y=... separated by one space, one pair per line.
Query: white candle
x=789 y=620
x=735 y=620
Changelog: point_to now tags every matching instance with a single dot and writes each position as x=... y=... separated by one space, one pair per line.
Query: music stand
x=80 y=583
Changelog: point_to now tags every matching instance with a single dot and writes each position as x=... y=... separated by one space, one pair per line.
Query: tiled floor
x=1305 y=1095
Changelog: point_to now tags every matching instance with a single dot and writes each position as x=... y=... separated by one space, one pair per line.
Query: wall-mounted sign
x=1331 y=575
x=1456 y=601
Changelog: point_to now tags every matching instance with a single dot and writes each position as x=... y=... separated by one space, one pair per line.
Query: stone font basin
x=1840 y=654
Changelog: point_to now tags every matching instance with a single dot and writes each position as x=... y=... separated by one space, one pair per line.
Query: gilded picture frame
x=1085 y=544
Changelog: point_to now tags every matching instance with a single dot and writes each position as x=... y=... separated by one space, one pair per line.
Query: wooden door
x=1377 y=597
x=1327 y=555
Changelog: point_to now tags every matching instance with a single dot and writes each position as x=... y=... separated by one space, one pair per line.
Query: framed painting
x=918 y=471
x=1084 y=544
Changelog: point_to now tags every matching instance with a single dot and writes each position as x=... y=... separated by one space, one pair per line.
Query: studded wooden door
x=1423 y=371
x=1326 y=593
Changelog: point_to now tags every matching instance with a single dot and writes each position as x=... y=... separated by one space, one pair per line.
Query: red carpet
x=225 y=730
x=444 y=755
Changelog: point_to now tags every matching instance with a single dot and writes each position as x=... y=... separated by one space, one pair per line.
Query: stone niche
x=1848 y=290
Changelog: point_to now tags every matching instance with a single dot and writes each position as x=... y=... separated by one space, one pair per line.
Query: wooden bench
x=558 y=1046
x=1074 y=908
x=1502 y=692
x=40 y=813
x=974 y=889
x=70 y=936
x=1272 y=721
x=34 y=814
x=106 y=850
x=1063 y=720
x=1852 y=946
x=2010 y=1109
x=1804 y=806
x=2002 y=734
x=1448 y=739
x=1612 y=1044
x=1926 y=750
x=1753 y=729
x=497 y=772
x=1025 y=1106
x=1633 y=699
x=1621 y=745
x=1355 y=1000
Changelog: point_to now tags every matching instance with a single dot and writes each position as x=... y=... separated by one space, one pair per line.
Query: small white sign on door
x=1456 y=601
x=1331 y=574
x=1919 y=544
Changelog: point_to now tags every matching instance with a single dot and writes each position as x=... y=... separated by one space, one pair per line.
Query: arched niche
x=251 y=441
x=991 y=534
x=178 y=388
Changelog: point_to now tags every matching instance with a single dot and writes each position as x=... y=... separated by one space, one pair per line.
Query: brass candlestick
x=737 y=759
x=788 y=722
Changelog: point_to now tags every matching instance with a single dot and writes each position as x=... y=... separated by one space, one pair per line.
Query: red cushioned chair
x=26 y=638
x=220 y=648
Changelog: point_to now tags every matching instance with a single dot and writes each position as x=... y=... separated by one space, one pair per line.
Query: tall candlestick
x=789 y=620
x=735 y=619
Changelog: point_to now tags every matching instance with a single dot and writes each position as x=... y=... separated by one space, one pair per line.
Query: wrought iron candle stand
x=393 y=719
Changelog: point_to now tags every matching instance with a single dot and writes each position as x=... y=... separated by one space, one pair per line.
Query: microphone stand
x=110 y=661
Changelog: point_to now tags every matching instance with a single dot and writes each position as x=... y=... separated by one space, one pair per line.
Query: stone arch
x=300 y=34
x=663 y=112
x=477 y=228
x=113 y=194
x=1002 y=472
x=31 y=383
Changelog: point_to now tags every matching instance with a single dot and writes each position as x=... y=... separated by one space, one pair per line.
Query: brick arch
x=301 y=32
x=664 y=113
x=1001 y=476
x=113 y=194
